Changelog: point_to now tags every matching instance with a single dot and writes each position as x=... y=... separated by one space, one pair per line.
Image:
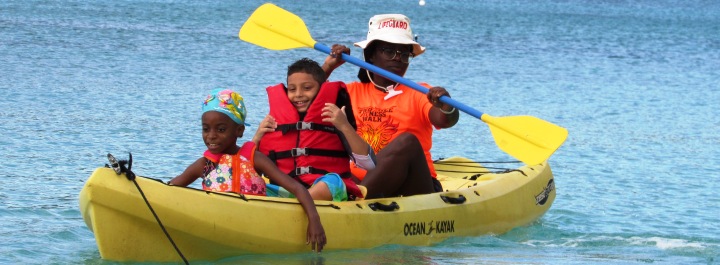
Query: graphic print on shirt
x=375 y=127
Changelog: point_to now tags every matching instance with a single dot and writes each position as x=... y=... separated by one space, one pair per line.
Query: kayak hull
x=210 y=226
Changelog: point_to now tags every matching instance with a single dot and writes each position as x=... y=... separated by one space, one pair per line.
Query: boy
x=310 y=137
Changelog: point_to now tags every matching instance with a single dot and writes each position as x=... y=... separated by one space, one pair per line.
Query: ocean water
x=636 y=83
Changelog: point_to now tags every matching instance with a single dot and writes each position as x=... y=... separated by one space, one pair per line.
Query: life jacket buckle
x=295 y=152
x=302 y=170
x=301 y=125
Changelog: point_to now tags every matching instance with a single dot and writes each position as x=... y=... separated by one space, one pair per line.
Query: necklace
x=389 y=89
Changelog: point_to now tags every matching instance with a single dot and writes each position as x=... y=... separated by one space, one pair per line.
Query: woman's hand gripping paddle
x=528 y=139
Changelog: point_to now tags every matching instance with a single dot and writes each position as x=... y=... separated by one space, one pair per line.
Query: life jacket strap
x=295 y=152
x=302 y=125
x=313 y=170
x=307 y=170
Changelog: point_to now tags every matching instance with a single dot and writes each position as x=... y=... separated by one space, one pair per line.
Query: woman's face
x=383 y=57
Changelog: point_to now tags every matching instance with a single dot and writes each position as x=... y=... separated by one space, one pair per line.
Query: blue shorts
x=332 y=180
x=336 y=186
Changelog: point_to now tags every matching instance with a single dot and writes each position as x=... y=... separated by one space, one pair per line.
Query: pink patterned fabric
x=221 y=177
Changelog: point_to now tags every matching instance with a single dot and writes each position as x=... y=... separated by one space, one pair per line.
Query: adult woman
x=395 y=120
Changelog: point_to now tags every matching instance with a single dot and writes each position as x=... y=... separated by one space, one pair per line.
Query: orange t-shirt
x=379 y=121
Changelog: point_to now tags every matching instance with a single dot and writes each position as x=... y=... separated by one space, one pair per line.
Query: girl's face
x=220 y=133
x=301 y=90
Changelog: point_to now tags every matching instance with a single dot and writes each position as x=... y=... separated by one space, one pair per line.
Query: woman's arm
x=441 y=115
x=315 y=232
x=334 y=60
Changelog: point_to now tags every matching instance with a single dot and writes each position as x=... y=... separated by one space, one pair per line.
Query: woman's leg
x=401 y=170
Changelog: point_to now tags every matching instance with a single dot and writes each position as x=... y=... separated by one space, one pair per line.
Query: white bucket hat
x=392 y=28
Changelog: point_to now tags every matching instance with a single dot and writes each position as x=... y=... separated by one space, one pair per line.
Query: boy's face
x=301 y=90
x=220 y=133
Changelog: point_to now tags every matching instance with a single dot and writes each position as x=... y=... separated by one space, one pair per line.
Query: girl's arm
x=315 y=232
x=191 y=173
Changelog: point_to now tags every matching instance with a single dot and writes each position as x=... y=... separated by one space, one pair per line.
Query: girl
x=227 y=167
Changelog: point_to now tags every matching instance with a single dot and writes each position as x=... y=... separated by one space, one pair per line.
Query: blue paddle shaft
x=445 y=99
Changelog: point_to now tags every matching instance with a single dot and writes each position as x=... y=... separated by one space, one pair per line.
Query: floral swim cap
x=228 y=102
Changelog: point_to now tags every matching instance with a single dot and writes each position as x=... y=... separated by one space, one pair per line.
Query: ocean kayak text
x=422 y=228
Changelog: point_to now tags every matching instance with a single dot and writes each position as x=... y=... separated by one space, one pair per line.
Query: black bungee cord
x=120 y=167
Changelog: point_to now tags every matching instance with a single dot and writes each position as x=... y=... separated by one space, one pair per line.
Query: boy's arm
x=268 y=124
x=315 y=232
x=331 y=113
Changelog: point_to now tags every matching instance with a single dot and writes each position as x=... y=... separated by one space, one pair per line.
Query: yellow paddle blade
x=275 y=28
x=529 y=139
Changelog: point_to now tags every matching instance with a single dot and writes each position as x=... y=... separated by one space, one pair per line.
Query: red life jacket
x=311 y=148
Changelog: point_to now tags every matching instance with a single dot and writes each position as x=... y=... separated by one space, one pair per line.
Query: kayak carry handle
x=459 y=200
x=384 y=207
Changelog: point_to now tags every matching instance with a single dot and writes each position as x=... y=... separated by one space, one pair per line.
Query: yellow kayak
x=200 y=225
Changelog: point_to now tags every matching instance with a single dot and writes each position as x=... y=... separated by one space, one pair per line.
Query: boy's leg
x=320 y=191
x=329 y=187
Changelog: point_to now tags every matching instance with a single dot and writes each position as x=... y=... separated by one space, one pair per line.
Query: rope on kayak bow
x=119 y=167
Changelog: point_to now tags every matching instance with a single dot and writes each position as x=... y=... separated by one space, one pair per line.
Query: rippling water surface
x=634 y=82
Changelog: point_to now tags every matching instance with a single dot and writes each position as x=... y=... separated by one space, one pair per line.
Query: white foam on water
x=666 y=243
